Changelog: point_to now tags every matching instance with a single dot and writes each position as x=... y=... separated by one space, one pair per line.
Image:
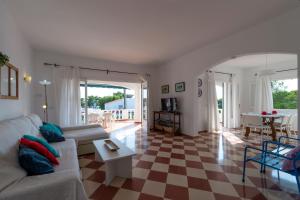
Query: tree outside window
x=285 y=94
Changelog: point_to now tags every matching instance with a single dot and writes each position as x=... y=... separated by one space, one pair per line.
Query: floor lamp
x=45 y=83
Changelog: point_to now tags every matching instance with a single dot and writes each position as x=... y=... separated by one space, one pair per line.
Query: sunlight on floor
x=233 y=139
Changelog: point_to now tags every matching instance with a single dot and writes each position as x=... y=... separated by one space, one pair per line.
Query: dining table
x=268 y=119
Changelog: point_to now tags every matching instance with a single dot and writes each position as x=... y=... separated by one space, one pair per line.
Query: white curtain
x=235 y=102
x=231 y=103
x=227 y=104
x=67 y=95
x=263 y=94
x=213 y=124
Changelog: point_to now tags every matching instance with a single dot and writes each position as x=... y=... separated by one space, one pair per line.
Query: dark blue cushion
x=51 y=133
x=54 y=127
x=33 y=162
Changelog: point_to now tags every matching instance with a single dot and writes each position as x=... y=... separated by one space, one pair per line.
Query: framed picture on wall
x=165 y=89
x=180 y=87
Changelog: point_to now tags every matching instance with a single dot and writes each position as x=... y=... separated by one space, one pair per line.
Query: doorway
x=220 y=99
x=113 y=105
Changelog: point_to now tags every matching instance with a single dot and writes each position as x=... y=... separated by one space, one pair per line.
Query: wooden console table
x=167 y=122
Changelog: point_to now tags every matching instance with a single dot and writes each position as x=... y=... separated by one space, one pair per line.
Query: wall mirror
x=9 y=82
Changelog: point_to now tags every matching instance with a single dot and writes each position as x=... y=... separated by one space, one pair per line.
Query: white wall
x=280 y=34
x=15 y=46
x=42 y=72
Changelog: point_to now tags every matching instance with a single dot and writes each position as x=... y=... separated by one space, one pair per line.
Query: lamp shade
x=45 y=82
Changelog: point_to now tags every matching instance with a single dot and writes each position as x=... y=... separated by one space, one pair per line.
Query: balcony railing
x=97 y=115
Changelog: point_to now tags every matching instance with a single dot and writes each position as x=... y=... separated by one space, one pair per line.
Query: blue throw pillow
x=51 y=133
x=54 y=127
x=33 y=162
x=42 y=142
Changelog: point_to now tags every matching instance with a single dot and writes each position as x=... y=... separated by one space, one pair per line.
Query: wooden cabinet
x=167 y=122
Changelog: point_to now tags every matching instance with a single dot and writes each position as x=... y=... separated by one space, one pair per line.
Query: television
x=169 y=104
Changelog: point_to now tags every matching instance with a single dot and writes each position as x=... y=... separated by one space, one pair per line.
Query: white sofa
x=63 y=184
x=84 y=136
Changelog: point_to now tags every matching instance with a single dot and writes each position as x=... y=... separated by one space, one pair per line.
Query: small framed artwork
x=180 y=87
x=165 y=89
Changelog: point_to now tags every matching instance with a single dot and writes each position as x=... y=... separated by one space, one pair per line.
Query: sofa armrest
x=79 y=127
x=57 y=185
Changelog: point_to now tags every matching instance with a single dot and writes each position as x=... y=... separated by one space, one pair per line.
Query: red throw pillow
x=274 y=112
x=40 y=149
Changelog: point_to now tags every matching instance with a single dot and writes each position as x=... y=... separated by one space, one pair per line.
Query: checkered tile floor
x=206 y=167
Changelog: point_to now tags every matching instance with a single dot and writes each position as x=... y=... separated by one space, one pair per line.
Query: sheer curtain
x=263 y=94
x=231 y=103
x=213 y=124
x=67 y=95
x=235 y=102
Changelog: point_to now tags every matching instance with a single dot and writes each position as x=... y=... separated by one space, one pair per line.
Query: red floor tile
x=104 y=192
x=162 y=160
x=194 y=164
x=97 y=176
x=217 y=176
x=198 y=183
x=157 y=176
x=177 y=170
x=134 y=184
x=249 y=192
x=144 y=164
x=176 y=192
x=148 y=197
x=177 y=156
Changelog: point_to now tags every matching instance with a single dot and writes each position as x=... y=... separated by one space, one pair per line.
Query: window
x=285 y=93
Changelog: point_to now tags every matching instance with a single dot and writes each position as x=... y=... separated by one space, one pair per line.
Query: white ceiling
x=137 y=31
x=260 y=60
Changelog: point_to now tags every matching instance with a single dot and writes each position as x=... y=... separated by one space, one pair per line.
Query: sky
x=101 y=92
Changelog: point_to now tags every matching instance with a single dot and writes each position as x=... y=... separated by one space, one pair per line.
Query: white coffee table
x=117 y=163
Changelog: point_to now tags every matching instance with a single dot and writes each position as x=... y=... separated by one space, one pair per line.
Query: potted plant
x=3 y=59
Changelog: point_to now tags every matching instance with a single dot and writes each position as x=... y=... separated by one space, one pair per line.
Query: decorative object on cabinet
x=9 y=80
x=167 y=122
x=180 y=87
x=165 y=89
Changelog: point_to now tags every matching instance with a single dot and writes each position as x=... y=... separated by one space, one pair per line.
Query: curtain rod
x=95 y=69
x=284 y=70
x=220 y=72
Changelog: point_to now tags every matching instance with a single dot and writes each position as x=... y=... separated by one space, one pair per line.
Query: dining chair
x=256 y=122
x=108 y=120
x=284 y=124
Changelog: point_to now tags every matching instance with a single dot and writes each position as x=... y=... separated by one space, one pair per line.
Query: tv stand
x=167 y=122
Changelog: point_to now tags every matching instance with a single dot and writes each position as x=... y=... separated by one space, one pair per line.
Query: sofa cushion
x=9 y=142
x=36 y=120
x=40 y=149
x=42 y=142
x=10 y=174
x=68 y=159
x=33 y=162
x=24 y=126
x=84 y=136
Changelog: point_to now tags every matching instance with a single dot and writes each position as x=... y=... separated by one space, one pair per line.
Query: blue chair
x=272 y=155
